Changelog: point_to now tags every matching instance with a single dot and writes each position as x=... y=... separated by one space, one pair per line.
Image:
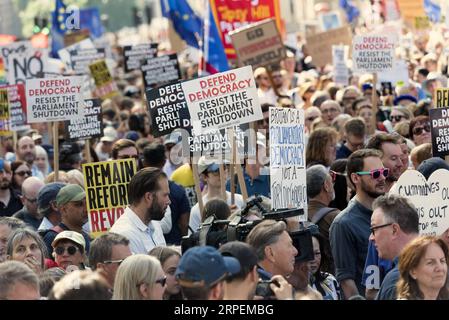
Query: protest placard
x=439 y=123
x=3 y=79
x=91 y=126
x=320 y=45
x=54 y=99
x=73 y=37
x=330 y=20
x=81 y=59
x=105 y=84
x=222 y=100
x=341 y=71
x=14 y=48
x=396 y=76
x=422 y=23
x=17 y=107
x=429 y=197
x=442 y=98
x=134 y=55
x=28 y=64
x=287 y=159
x=164 y=104
x=106 y=185
x=258 y=44
x=65 y=53
x=160 y=70
x=230 y=15
x=373 y=53
x=4 y=104
x=410 y=9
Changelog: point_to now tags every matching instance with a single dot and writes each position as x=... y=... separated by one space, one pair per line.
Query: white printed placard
x=430 y=198
x=373 y=53
x=222 y=100
x=341 y=71
x=54 y=99
x=288 y=159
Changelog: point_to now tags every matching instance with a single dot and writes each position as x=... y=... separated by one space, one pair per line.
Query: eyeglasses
x=396 y=118
x=22 y=173
x=70 y=250
x=311 y=118
x=419 y=130
x=331 y=110
x=373 y=229
x=375 y=173
x=30 y=200
x=162 y=281
x=114 y=261
x=334 y=174
x=126 y=156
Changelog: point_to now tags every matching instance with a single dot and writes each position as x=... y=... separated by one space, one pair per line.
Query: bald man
x=29 y=213
x=330 y=109
x=26 y=151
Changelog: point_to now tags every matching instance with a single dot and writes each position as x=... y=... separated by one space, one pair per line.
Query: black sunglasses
x=71 y=250
x=162 y=281
x=22 y=173
x=419 y=130
x=396 y=118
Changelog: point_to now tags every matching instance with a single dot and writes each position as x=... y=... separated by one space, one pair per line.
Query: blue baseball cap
x=2 y=164
x=204 y=266
x=48 y=194
x=404 y=97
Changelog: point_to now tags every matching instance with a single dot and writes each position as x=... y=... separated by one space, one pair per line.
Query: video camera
x=215 y=232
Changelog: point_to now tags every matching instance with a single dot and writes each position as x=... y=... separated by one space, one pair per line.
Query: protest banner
x=3 y=79
x=258 y=44
x=396 y=76
x=439 y=123
x=230 y=15
x=341 y=71
x=81 y=59
x=14 y=48
x=106 y=185
x=160 y=70
x=91 y=126
x=330 y=20
x=65 y=53
x=222 y=100
x=164 y=104
x=54 y=99
x=134 y=55
x=422 y=23
x=373 y=53
x=4 y=113
x=320 y=45
x=105 y=84
x=442 y=98
x=429 y=197
x=73 y=37
x=287 y=159
x=410 y=9
x=27 y=65
x=17 y=107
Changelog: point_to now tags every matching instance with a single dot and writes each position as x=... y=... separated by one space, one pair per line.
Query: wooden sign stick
x=196 y=179
x=374 y=103
x=223 y=181
x=87 y=151
x=231 y=138
x=55 y=150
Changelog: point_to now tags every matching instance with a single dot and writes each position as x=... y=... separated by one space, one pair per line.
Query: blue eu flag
x=352 y=12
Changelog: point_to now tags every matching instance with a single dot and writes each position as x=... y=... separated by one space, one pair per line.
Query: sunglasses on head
x=375 y=173
x=396 y=118
x=162 y=281
x=334 y=174
x=70 y=250
x=419 y=130
x=22 y=173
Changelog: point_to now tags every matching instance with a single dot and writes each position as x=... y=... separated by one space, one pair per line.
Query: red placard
x=230 y=15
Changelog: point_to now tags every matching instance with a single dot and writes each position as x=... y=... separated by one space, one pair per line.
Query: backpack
x=320 y=214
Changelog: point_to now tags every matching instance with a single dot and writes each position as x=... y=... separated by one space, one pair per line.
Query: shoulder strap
x=320 y=214
x=57 y=229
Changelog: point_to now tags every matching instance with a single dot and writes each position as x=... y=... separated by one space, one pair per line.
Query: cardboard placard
x=164 y=104
x=75 y=36
x=3 y=79
x=54 y=99
x=65 y=53
x=134 y=55
x=430 y=198
x=330 y=20
x=106 y=86
x=258 y=44
x=222 y=100
x=160 y=70
x=81 y=59
x=422 y=23
x=287 y=159
x=373 y=53
x=439 y=123
x=4 y=104
x=106 y=185
x=28 y=64
x=442 y=98
x=91 y=126
x=17 y=107
x=341 y=70
x=320 y=45
x=410 y=9
x=397 y=75
x=13 y=48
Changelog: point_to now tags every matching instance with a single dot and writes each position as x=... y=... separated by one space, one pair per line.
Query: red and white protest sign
x=373 y=53
x=222 y=100
x=54 y=99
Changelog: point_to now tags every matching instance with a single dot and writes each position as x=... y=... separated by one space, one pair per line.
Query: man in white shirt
x=211 y=175
x=148 y=196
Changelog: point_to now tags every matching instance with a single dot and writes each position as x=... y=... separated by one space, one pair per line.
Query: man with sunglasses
x=71 y=203
x=350 y=230
x=29 y=214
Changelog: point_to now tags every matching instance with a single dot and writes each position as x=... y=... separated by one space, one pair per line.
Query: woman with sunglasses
x=69 y=250
x=26 y=246
x=20 y=171
x=139 y=277
x=169 y=258
x=399 y=114
x=420 y=130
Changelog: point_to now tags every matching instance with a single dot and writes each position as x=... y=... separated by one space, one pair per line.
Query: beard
x=156 y=212
x=5 y=184
x=29 y=157
x=372 y=193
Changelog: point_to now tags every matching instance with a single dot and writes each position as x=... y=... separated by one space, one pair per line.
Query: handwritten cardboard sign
x=430 y=198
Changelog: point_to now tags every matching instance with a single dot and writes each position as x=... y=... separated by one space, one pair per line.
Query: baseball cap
x=109 y=134
x=48 y=194
x=207 y=164
x=70 y=192
x=132 y=135
x=404 y=97
x=428 y=166
x=204 y=266
x=243 y=252
x=72 y=236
